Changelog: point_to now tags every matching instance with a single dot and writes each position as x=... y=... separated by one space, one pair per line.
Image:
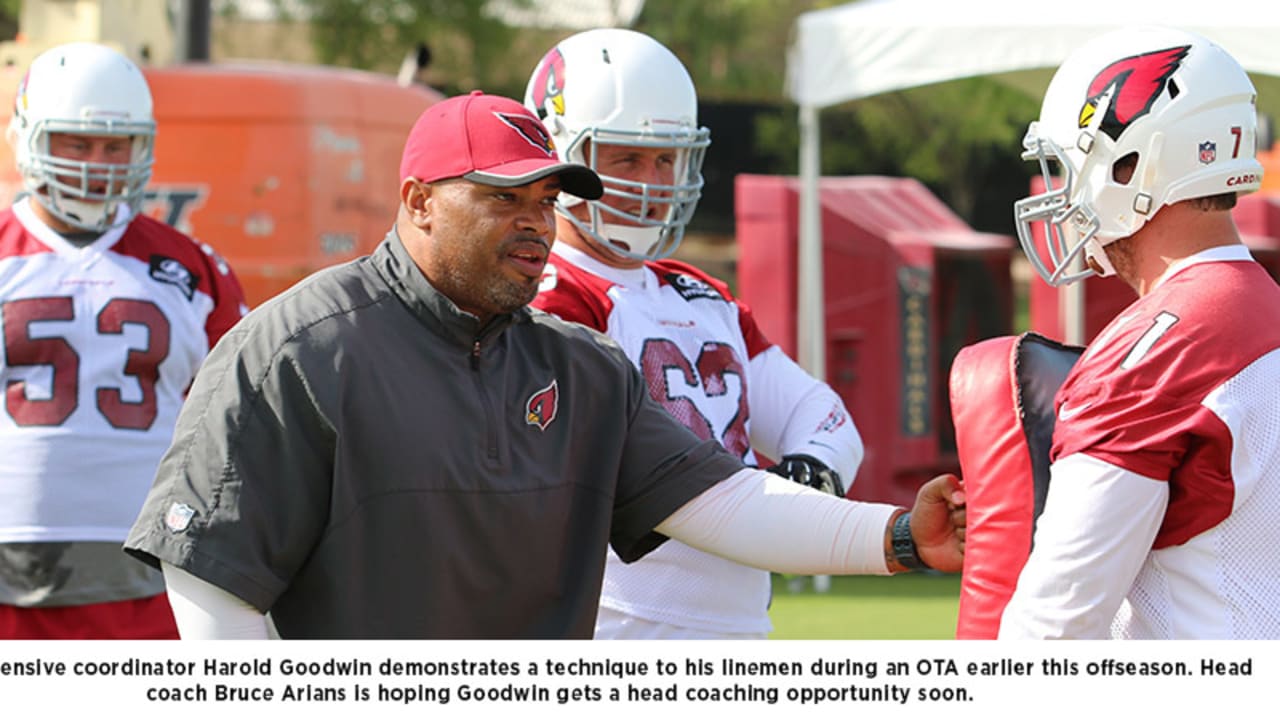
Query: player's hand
x=938 y=523
x=811 y=472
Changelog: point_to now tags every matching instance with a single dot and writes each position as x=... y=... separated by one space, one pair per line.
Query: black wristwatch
x=904 y=546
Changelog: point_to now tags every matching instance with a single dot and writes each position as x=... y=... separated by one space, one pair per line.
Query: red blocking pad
x=1002 y=393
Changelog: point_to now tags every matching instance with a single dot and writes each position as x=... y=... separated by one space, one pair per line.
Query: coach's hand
x=811 y=472
x=938 y=523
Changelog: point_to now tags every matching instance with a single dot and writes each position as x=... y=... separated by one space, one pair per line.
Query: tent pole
x=1072 y=299
x=810 y=324
x=810 y=329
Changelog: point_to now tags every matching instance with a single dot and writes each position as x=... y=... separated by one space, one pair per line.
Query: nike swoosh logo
x=1066 y=413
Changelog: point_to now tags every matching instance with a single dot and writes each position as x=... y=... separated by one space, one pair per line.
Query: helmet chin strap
x=90 y=217
x=1096 y=259
x=630 y=241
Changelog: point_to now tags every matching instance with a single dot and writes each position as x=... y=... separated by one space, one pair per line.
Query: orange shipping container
x=284 y=169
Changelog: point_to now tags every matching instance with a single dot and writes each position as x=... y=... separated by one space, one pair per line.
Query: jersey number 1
x=1159 y=326
x=23 y=350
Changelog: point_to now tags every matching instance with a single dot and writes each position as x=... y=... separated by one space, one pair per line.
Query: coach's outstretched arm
x=753 y=517
x=758 y=519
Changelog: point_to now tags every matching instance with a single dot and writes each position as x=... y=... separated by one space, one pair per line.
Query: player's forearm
x=765 y=521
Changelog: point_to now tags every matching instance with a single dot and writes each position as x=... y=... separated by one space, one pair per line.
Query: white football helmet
x=83 y=89
x=1180 y=105
x=619 y=87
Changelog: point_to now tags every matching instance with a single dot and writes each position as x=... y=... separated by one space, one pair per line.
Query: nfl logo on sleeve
x=179 y=516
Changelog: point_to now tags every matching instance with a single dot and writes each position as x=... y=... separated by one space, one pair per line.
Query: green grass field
x=904 y=607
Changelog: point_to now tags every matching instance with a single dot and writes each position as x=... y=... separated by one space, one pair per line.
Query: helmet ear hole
x=1122 y=169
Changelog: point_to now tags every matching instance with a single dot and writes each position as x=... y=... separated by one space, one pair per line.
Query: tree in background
x=9 y=10
x=959 y=138
x=473 y=46
x=735 y=49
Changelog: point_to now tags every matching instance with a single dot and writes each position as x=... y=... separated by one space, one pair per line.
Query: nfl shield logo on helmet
x=179 y=516
x=1208 y=152
x=541 y=408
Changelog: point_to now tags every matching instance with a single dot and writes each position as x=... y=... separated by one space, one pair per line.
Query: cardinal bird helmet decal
x=1133 y=121
x=548 y=84
x=1134 y=83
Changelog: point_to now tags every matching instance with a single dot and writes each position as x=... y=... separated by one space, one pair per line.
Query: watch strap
x=904 y=546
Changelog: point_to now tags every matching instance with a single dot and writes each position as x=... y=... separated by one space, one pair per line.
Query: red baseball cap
x=491 y=140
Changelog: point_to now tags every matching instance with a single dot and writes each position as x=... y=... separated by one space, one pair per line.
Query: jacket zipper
x=491 y=425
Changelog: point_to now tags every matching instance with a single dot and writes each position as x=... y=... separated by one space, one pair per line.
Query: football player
x=1165 y=476
x=622 y=103
x=106 y=316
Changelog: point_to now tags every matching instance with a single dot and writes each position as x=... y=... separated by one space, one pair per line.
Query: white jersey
x=99 y=346
x=1165 y=484
x=708 y=364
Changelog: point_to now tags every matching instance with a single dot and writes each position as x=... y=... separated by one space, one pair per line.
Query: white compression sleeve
x=1098 y=525
x=759 y=519
x=205 y=611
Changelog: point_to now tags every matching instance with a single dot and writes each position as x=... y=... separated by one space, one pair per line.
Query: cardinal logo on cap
x=530 y=129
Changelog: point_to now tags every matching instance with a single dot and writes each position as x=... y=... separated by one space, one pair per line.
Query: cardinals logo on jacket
x=1133 y=83
x=530 y=129
x=541 y=408
x=548 y=83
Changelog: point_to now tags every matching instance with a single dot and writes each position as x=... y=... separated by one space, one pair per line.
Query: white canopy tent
x=864 y=48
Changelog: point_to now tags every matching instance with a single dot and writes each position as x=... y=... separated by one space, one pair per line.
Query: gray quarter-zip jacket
x=361 y=459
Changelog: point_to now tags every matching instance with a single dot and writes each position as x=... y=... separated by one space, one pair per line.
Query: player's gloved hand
x=809 y=471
